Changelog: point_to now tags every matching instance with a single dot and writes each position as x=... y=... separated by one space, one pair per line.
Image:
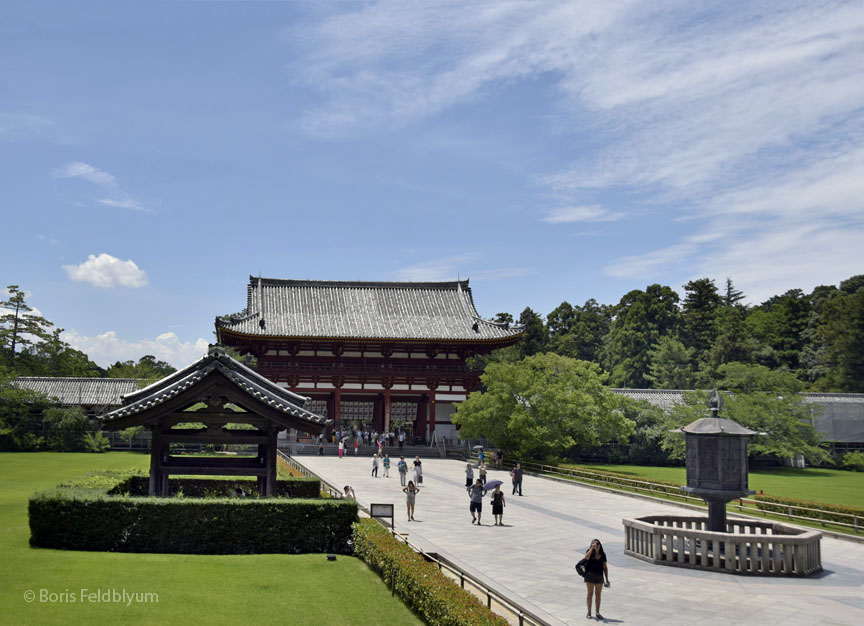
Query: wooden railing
x=749 y=546
x=808 y=515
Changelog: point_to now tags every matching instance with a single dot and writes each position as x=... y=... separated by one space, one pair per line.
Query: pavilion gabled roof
x=217 y=360
x=363 y=310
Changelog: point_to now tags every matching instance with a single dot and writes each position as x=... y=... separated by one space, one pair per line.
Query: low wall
x=749 y=547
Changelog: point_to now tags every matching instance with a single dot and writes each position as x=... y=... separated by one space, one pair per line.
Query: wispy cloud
x=108 y=348
x=15 y=126
x=451 y=268
x=117 y=199
x=585 y=213
x=107 y=271
x=744 y=118
x=77 y=169
x=125 y=203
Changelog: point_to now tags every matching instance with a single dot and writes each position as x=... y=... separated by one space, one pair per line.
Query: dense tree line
x=30 y=345
x=655 y=338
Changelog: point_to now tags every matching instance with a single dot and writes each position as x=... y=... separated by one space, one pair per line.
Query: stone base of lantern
x=752 y=547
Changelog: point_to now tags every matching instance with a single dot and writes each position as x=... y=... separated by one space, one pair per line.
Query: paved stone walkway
x=547 y=530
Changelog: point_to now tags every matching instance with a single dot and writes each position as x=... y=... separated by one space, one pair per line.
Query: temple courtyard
x=546 y=531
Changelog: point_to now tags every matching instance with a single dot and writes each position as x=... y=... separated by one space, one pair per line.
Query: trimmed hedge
x=780 y=505
x=80 y=515
x=295 y=487
x=436 y=598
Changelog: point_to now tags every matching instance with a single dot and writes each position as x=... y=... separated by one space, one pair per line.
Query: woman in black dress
x=595 y=570
x=498 y=505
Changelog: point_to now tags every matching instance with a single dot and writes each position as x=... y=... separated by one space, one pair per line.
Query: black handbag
x=580 y=567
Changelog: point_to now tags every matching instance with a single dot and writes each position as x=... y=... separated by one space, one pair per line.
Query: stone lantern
x=716 y=462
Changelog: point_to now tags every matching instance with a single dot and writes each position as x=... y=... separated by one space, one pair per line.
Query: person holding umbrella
x=476 y=491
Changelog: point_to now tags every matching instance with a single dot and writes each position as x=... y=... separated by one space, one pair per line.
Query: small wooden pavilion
x=235 y=405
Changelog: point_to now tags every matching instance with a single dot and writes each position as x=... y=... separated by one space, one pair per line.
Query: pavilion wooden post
x=155 y=461
x=420 y=428
x=272 y=434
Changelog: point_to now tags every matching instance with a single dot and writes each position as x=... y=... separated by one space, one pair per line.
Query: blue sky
x=154 y=155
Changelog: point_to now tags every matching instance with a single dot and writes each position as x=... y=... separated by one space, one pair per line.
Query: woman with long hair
x=595 y=571
x=411 y=493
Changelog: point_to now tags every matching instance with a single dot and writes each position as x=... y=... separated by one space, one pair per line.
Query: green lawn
x=812 y=484
x=257 y=589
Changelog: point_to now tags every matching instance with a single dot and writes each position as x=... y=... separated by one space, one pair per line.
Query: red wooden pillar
x=431 y=414
x=337 y=408
x=420 y=424
x=378 y=413
x=386 y=410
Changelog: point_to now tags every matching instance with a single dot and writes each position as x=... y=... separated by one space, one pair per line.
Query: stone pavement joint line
x=531 y=558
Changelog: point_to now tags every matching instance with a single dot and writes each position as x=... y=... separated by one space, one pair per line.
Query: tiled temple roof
x=373 y=310
x=102 y=392
x=245 y=378
x=669 y=398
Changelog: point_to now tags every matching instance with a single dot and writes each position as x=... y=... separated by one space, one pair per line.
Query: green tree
x=503 y=318
x=699 y=314
x=779 y=323
x=147 y=368
x=671 y=365
x=128 y=434
x=66 y=427
x=733 y=343
x=732 y=296
x=641 y=319
x=839 y=340
x=534 y=340
x=542 y=406
x=20 y=424
x=18 y=327
x=765 y=401
x=579 y=332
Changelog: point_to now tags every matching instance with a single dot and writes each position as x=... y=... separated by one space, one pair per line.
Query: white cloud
x=125 y=203
x=746 y=116
x=77 y=169
x=584 y=213
x=108 y=348
x=107 y=271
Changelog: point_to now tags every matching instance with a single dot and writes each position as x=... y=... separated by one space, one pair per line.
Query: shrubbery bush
x=853 y=461
x=777 y=504
x=296 y=487
x=80 y=515
x=419 y=583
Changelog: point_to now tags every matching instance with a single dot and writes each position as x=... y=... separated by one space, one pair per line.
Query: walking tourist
x=498 y=505
x=411 y=494
x=476 y=506
x=517 y=479
x=480 y=455
x=481 y=470
x=341 y=448
x=469 y=476
x=386 y=465
x=418 y=471
x=402 y=466
x=375 y=465
x=595 y=570
x=356 y=445
x=401 y=439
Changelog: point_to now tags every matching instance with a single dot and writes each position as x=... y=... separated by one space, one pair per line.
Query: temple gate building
x=378 y=354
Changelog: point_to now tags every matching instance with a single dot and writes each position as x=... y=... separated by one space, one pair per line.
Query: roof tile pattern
x=216 y=360
x=374 y=310
x=103 y=392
